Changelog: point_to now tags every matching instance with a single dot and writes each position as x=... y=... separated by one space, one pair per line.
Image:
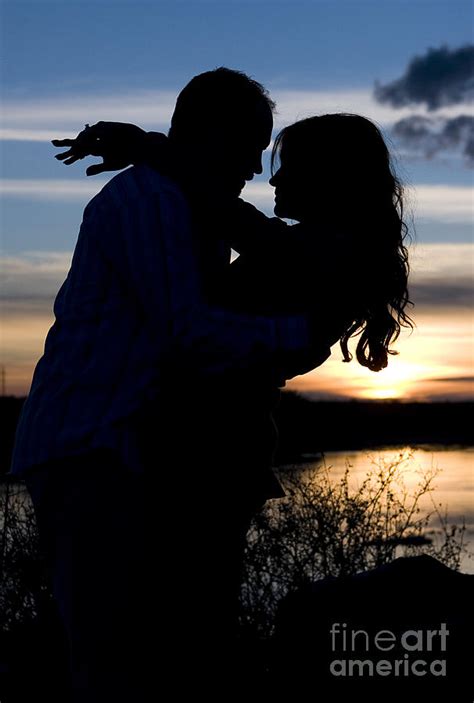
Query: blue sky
x=52 y=47
x=111 y=51
x=67 y=63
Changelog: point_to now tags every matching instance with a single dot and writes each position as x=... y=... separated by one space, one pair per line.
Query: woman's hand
x=118 y=143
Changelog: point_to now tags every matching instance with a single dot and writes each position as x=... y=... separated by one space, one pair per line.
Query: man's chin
x=278 y=211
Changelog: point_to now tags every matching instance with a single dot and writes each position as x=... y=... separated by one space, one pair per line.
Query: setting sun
x=395 y=381
x=383 y=393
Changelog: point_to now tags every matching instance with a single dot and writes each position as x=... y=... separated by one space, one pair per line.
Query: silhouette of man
x=102 y=437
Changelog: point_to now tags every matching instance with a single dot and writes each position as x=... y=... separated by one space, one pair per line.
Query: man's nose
x=255 y=166
x=258 y=166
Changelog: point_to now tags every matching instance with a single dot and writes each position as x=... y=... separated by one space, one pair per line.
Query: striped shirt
x=130 y=305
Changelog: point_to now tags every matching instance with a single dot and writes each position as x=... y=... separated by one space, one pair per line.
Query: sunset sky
x=70 y=63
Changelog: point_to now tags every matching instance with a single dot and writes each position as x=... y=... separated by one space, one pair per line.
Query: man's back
x=132 y=302
x=104 y=355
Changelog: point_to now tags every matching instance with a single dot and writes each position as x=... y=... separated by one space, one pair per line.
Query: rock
x=397 y=633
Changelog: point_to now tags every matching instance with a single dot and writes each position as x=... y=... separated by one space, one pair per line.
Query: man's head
x=221 y=124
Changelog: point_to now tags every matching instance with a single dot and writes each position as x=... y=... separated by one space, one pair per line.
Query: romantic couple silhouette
x=147 y=437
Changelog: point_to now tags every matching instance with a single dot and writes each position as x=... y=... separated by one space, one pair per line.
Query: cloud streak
x=442 y=202
x=442 y=275
x=44 y=117
x=442 y=293
x=51 y=189
x=32 y=279
x=43 y=120
x=453 y=379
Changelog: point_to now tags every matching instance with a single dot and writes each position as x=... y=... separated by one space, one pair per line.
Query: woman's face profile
x=291 y=183
x=311 y=180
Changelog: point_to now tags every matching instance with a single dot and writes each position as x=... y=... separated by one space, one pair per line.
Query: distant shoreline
x=315 y=427
x=311 y=428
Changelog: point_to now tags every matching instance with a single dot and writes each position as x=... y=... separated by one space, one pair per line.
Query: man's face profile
x=231 y=150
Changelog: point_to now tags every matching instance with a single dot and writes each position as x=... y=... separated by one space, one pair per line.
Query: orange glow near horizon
x=435 y=361
x=22 y=342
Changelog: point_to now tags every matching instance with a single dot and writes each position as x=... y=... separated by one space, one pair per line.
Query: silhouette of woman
x=347 y=254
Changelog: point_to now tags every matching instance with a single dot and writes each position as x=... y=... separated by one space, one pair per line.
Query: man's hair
x=209 y=95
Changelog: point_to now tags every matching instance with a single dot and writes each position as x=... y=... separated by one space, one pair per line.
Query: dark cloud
x=440 y=77
x=431 y=135
x=442 y=294
x=453 y=379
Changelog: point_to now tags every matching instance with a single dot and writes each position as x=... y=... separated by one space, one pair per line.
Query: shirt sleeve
x=147 y=238
x=250 y=231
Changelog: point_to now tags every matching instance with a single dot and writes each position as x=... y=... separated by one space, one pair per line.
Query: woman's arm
x=250 y=232
x=323 y=283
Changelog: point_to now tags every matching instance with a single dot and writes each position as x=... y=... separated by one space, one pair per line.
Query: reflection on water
x=453 y=485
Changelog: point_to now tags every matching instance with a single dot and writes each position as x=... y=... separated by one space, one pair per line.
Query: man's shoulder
x=142 y=178
x=134 y=184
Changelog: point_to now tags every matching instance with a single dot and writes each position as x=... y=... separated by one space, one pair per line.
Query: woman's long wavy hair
x=346 y=164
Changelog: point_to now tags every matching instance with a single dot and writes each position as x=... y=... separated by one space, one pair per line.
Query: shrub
x=324 y=527
x=23 y=577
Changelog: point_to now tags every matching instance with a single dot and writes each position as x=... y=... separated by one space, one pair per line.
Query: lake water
x=453 y=484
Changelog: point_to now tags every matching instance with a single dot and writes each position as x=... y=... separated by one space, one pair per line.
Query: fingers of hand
x=72 y=160
x=68 y=157
x=64 y=155
x=62 y=142
x=83 y=145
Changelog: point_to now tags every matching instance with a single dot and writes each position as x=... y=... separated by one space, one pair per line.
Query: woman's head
x=329 y=161
x=336 y=170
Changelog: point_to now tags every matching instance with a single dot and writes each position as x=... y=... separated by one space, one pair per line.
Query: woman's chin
x=278 y=210
x=287 y=213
